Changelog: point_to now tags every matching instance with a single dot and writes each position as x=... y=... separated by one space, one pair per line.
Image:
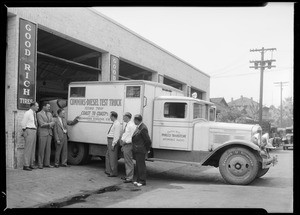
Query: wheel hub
x=238 y=166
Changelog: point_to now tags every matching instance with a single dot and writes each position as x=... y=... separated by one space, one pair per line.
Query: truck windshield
x=199 y=111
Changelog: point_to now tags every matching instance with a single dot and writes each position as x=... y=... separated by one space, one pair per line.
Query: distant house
x=249 y=107
x=220 y=103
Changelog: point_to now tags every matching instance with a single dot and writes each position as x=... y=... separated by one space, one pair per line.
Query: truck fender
x=212 y=159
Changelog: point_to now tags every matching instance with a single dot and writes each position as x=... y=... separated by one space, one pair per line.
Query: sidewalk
x=41 y=186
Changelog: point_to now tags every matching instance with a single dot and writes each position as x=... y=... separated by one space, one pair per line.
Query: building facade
x=47 y=48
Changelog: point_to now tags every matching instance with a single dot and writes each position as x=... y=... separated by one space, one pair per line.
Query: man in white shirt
x=126 y=143
x=113 y=137
x=29 y=127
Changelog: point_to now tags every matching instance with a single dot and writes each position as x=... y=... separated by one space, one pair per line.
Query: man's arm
x=117 y=133
x=55 y=131
x=146 y=138
x=74 y=122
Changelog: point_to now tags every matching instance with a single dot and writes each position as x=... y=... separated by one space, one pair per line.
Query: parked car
x=289 y=139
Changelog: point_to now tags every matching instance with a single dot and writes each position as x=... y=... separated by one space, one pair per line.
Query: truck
x=182 y=129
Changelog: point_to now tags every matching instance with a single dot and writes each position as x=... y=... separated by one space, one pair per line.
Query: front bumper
x=268 y=162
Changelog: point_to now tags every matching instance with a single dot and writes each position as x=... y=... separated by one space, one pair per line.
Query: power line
x=261 y=64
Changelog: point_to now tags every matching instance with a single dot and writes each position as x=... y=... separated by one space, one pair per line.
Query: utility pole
x=281 y=87
x=262 y=64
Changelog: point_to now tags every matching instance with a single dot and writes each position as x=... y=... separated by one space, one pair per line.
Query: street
x=172 y=185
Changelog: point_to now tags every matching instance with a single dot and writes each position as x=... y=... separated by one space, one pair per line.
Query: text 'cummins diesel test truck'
x=182 y=129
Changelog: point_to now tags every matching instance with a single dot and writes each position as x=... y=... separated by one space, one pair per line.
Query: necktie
x=34 y=116
x=125 y=127
x=110 y=128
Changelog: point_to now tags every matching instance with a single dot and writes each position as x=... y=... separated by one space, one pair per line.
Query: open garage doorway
x=129 y=71
x=173 y=83
x=61 y=61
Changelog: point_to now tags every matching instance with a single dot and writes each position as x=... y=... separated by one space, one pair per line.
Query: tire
x=238 y=166
x=261 y=172
x=77 y=153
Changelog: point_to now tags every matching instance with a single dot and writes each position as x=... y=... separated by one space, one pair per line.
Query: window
x=198 y=111
x=133 y=91
x=77 y=92
x=175 y=110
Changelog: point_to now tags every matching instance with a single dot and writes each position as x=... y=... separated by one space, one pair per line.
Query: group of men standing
x=44 y=126
x=133 y=139
x=135 y=143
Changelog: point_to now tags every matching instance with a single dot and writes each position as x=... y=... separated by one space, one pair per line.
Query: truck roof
x=127 y=82
x=183 y=98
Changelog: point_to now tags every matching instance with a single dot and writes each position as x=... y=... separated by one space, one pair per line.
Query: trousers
x=29 y=148
x=111 y=158
x=44 y=150
x=141 y=171
x=129 y=165
x=61 y=151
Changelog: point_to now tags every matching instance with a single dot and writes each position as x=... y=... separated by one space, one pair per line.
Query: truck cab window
x=175 y=110
x=77 y=92
x=198 y=111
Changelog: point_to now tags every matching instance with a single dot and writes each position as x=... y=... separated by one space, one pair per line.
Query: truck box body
x=94 y=101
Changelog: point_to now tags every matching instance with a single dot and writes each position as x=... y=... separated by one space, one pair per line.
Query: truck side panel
x=93 y=103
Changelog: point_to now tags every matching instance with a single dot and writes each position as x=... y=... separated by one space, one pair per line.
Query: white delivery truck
x=182 y=129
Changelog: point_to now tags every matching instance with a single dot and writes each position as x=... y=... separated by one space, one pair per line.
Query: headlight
x=256 y=135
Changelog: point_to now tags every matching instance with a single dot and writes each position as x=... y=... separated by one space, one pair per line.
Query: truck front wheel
x=77 y=153
x=238 y=166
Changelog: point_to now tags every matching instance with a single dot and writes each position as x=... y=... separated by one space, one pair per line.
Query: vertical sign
x=114 y=68
x=27 y=64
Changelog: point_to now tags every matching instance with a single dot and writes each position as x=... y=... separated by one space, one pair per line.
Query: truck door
x=133 y=99
x=171 y=127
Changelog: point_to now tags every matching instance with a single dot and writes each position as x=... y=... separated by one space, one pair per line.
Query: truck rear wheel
x=77 y=153
x=238 y=166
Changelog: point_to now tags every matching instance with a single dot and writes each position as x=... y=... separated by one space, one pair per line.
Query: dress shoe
x=106 y=173
x=65 y=165
x=32 y=167
x=40 y=167
x=123 y=178
x=56 y=165
x=26 y=168
x=139 y=184
x=127 y=181
x=49 y=166
x=111 y=176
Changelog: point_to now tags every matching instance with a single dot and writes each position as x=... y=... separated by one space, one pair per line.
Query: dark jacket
x=141 y=141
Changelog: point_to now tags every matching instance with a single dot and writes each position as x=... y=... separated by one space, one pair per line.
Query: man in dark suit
x=45 y=134
x=61 y=137
x=141 y=144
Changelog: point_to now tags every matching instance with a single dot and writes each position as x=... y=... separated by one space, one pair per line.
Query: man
x=29 y=127
x=45 y=134
x=141 y=144
x=126 y=143
x=113 y=137
x=61 y=137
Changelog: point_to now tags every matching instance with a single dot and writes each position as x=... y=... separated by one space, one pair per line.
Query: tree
x=287 y=113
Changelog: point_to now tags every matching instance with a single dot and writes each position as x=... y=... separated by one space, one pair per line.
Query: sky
x=217 y=41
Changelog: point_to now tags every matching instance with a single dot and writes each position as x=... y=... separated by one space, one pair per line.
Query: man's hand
x=112 y=146
x=52 y=124
x=58 y=141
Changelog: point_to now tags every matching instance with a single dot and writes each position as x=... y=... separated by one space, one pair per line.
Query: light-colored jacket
x=44 y=123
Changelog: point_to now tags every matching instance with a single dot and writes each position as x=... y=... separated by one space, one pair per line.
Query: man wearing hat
x=126 y=143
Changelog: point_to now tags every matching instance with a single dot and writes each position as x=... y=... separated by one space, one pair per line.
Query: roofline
x=146 y=40
x=129 y=82
x=183 y=98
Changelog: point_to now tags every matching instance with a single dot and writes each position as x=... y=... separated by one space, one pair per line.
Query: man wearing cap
x=141 y=144
x=126 y=143
x=113 y=137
